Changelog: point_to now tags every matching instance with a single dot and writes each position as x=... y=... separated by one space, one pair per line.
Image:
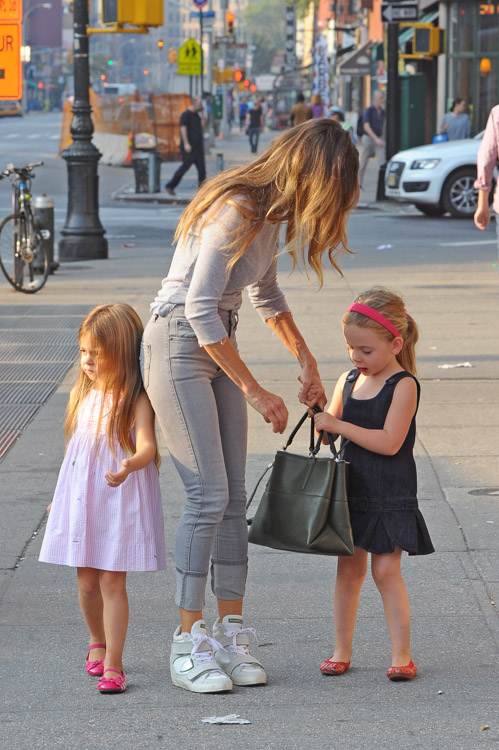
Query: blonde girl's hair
x=392 y=306
x=115 y=332
x=307 y=177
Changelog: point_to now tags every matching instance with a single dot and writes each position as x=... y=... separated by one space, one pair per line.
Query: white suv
x=436 y=178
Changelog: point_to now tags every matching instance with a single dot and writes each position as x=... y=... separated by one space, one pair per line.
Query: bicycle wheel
x=23 y=257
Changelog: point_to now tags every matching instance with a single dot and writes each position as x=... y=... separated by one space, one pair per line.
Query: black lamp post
x=82 y=234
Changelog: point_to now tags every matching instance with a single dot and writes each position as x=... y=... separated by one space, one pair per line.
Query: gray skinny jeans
x=203 y=417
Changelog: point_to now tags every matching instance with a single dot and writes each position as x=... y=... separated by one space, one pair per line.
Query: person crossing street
x=192 y=123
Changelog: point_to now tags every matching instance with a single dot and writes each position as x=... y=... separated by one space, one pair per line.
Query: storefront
x=473 y=57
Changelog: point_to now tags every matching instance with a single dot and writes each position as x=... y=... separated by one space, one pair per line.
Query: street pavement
x=49 y=701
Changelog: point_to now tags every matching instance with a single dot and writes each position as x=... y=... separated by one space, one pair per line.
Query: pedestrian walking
x=192 y=123
x=106 y=517
x=317 y=106
x=300 y=112
x=243 y=111
x=254 y=124
x=228 y=239
x=456 y=123
x=374 y=408
x=487 y=159
x=372 y=142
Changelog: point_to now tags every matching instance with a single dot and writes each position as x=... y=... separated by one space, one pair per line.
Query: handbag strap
x=250 y=499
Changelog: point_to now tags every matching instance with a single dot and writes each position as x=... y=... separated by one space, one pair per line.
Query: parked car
x=11 y=108
x=437 y=178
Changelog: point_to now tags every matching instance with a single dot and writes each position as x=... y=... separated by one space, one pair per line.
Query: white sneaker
x=192 y=661
x=233 y=654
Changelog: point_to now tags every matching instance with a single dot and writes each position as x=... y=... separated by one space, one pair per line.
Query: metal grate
x=38 y=344
x=40 y=322
x=20 y=372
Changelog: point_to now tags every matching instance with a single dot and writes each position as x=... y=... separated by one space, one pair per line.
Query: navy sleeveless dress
x=382 y=490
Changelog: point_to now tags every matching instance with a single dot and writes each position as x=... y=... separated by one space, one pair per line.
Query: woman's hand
x=271 y=407
x=115 y=478
x=482 y=217
x=312 y=391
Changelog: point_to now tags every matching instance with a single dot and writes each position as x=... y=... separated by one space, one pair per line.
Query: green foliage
x=264 y=21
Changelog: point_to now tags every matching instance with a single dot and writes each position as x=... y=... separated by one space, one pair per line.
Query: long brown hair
x=307 y=177
x=115 y=332
x=392 y=306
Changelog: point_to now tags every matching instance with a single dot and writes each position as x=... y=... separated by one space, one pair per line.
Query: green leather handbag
x=304 y=507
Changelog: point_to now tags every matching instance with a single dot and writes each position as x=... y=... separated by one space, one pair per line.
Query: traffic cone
x=130 y=144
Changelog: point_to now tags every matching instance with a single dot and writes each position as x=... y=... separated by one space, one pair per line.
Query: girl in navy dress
x=374 y=408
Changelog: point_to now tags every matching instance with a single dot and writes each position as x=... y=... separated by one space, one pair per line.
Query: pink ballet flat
x=95 y=668
x=112 y=684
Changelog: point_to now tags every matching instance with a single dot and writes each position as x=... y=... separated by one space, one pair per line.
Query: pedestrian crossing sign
x=189 y=58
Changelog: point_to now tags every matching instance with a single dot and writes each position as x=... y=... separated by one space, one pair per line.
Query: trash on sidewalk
x=229 y=719
x=451 y=367
x=384 y=247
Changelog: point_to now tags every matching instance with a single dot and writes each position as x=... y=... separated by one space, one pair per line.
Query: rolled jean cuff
x=228 y=578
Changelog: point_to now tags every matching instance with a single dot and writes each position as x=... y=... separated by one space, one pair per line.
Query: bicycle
x=23 y=255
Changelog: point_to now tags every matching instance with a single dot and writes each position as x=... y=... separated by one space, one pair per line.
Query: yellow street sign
x=11 y=10
x=189 y=58
x=10 y=61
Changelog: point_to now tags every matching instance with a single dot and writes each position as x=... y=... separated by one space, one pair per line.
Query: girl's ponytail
x=407 y=356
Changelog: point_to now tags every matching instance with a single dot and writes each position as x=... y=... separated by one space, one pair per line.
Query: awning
x=358 y=63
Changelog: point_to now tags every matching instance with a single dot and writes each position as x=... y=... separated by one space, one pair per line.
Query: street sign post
x=11 y=73
x=406 y=10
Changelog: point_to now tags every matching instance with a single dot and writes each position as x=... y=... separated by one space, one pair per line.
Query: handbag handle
x=315 y=445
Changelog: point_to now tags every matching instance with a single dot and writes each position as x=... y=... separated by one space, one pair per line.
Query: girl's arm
x=145 y=443
x=311 y=391
x=387 y=441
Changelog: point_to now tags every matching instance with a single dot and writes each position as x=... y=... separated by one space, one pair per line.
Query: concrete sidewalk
x=48 y=700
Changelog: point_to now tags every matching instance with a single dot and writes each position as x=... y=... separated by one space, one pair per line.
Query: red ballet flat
x=402 y=674
x=334 y=667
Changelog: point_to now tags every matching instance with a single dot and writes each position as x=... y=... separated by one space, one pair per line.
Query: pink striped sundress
x=93 y=525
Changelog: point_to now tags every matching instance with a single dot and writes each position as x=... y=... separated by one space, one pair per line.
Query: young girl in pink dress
x=106 y=517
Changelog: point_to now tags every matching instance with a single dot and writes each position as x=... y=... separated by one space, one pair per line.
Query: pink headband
x=370 y=312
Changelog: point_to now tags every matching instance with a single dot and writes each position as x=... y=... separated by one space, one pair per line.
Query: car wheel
x=430 y=210
x=459 y=197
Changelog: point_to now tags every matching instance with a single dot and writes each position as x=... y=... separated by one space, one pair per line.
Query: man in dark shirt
x=372 y=140
x=191 y=144
x=254 y=124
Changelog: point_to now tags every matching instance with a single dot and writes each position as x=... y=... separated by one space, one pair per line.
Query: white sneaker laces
x=206 y=654
x=240 y=649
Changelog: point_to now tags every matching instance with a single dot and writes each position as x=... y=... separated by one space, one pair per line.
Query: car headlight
x=425 y=163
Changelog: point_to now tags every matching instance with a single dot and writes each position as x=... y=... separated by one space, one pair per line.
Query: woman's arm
x=387 y=441
x=268 y=404
x=311 y=391
x=145 y=443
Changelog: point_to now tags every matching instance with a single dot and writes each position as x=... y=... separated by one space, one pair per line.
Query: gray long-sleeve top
x=198 y=277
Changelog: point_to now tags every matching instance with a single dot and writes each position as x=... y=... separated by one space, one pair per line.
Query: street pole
x=201 y=72
x=392 y=93
x=82 y=234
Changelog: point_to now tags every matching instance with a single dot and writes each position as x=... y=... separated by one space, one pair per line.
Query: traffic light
x=239 y=75
x=427 y=41
x=134 y=12
x=161 y=44
x=110 y=62
x=229 y=24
